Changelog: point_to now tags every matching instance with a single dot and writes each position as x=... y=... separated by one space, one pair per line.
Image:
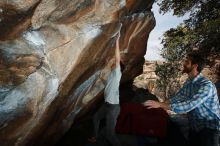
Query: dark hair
x=197 y=59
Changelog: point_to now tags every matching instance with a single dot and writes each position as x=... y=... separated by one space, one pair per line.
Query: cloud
x=153 y=53
x=163 y=23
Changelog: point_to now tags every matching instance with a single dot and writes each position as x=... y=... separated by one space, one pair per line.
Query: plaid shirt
x=198 y=98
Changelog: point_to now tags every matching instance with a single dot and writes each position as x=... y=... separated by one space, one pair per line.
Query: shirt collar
x=196 y=78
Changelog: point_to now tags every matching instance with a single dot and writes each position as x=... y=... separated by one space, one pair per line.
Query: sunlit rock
x=51 y=55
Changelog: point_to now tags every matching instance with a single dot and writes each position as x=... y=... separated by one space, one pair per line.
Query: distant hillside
x=147 y=80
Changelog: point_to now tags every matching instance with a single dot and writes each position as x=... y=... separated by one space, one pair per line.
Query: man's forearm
x=117 y=52
x=165 y=105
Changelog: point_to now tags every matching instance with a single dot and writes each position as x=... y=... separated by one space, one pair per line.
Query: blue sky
x=163 y=23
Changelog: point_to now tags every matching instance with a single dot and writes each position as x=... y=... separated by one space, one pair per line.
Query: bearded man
x=198 y=98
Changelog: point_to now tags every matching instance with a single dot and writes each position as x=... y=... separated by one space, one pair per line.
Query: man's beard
x=187 y=70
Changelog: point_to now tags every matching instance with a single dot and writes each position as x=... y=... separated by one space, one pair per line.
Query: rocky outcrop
x=147 y=80
x=51 y=56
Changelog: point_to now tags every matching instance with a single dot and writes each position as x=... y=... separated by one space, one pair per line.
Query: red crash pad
x=136 y=119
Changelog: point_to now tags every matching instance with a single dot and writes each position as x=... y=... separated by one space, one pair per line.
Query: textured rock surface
x=51 y=56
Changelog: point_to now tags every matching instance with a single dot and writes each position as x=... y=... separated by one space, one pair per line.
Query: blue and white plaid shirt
x=198 y=98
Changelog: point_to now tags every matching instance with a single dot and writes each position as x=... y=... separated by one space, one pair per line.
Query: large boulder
x=51 y=56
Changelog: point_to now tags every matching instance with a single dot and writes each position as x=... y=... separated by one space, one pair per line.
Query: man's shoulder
x=204 y=81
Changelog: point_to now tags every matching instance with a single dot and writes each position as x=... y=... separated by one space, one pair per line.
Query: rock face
x=51 y=56
x=147 y=80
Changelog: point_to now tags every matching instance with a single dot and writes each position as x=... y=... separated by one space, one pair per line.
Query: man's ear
x=195 y=66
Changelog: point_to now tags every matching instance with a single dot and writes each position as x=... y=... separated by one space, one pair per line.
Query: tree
x=168 y=73
x=201 y=31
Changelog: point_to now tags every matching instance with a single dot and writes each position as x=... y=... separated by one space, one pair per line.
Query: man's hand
x=152 y=104
x=155 y=104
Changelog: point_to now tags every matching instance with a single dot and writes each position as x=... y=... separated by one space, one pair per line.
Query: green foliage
x=201 y=30
x=168 y=73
